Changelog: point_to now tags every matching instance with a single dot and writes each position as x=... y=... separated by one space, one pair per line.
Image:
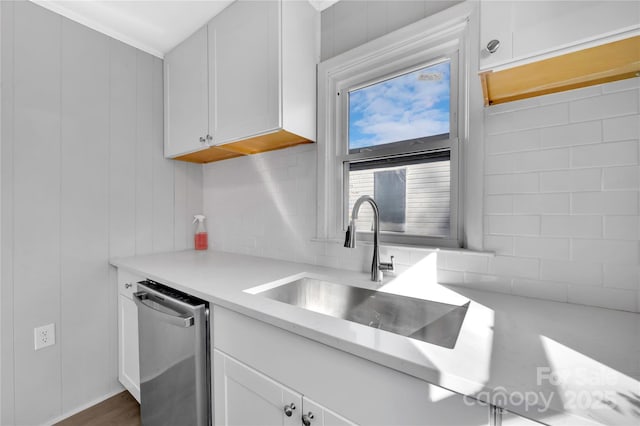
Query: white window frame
x=444 y=35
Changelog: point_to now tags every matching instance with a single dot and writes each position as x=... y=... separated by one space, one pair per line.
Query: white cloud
x=401 y=108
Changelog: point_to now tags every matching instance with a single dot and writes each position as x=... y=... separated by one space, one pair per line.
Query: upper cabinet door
x=186 y=96
x=533 y=30
x=495 y=25
x=245 y=84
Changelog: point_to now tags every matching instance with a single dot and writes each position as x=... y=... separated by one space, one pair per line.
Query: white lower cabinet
x=510 y=419
x=128 y=360
x=316 y=414
x=260 y=369
x=247 y=397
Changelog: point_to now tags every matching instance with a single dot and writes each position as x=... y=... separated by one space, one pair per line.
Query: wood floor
x=121 y=410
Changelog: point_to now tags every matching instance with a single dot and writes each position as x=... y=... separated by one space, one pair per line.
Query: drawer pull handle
x=306 y=419
x=288 y=409
x=128 y=285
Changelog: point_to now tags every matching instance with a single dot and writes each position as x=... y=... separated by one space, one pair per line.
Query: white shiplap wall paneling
x=6 y=217
x=83 y=180
x=84 y=201
x=144 y=161
x=36 y=209
x=162 y=170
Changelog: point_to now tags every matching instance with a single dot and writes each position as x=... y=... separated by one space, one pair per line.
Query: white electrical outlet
x=44 y=336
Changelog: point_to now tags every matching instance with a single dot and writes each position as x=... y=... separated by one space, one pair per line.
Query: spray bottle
x=200 y=239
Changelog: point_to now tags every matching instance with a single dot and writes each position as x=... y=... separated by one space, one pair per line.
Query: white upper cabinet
x=532 y=30
x=247 y=80
x=186 y=100
x=245 y=85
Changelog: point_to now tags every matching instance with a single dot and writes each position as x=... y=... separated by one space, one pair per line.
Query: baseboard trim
x=84 y=407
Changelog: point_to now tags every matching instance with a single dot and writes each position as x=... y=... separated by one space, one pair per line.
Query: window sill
x=423 y=249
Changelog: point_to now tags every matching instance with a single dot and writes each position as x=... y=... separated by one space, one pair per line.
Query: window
x=391 y=115
x=399 y=151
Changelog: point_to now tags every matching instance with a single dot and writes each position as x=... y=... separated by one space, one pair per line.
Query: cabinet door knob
x=306 y=419
x=288 y=409
x=202 y=139
x=128 y=285
x=493 y=46
x=209 y=138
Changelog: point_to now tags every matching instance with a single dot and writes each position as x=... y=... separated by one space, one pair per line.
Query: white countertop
x=555 y=362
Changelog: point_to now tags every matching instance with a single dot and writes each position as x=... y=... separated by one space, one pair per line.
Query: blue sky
x=409 y=106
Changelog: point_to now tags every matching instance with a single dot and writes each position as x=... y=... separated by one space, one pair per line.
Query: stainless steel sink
x=433 y=322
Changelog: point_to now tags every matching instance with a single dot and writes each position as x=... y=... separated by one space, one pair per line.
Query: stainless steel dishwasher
x=175 y=369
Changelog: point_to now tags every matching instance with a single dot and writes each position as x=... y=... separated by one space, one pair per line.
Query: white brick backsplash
x=627 y=177
x=570 y=95
x=621 y=128
x=401 y=255
x=571 y=180
x=514 y=267
x=622 y=227
x=529 y=118
x=419 y=255
x=541 y=203
x=497 y=284
x=512 y=184
x=498 y=204
x=605 y=154
x=620 y=85
x=513 y=142
x=540 y=289
x=514 y=225
x=543 y=248
x=529 y=161
x=605 y=106
x=622 y=276
x=572 y=226
x=513 y=106
x=499 y=244
x=455 y=261
x=624 y=300
x=503 y=163
x=450 y=277
x=573 y=134
x=605 y=251
x=583 y=273
x=605 y=203
x=549 y=159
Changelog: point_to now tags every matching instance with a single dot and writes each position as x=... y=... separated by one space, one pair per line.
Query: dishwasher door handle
x=184 y=320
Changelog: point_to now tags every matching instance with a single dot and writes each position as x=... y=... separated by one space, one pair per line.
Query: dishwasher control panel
x=172 y=293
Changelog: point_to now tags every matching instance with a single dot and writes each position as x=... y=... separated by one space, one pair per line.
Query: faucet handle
x=387 y=266
x=347 y=237
x=350 y=236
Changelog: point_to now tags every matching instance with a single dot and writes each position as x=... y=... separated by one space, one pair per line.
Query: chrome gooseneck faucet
x=350 y=238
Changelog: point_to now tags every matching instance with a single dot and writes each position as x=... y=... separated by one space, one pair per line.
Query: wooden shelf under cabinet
x=601 y=64
x=263 y=143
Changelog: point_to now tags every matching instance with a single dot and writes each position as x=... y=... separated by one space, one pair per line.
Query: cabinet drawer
x=127 y=283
